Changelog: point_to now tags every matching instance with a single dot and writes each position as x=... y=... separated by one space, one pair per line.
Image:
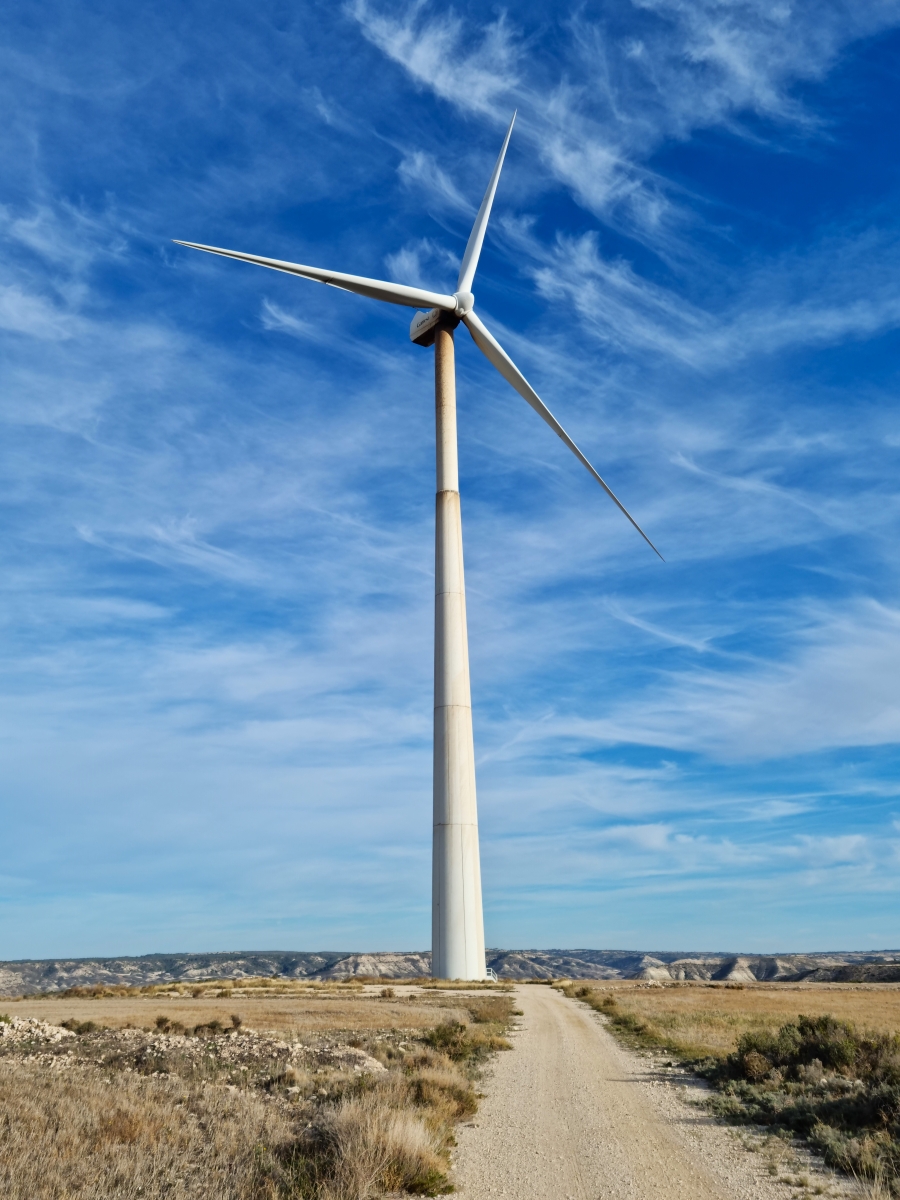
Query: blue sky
x=217 y=482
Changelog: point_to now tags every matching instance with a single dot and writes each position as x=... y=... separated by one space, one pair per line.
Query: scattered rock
x=30 y=1029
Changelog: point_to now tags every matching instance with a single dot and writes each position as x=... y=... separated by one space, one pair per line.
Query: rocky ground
x=190 y=1102
x=239 y=1055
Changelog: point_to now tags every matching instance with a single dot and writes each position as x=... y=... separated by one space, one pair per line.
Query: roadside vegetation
x=831 y=1082
x=180 y=1110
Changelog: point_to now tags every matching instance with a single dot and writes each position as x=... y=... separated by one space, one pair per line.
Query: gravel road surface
x=571 y=1115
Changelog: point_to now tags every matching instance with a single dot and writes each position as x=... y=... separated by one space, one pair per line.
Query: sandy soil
x=572 y=1115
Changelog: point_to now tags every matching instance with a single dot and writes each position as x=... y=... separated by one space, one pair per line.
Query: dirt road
x=569 y=1115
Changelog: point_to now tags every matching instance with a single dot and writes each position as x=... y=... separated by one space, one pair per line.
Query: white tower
x=457 y=926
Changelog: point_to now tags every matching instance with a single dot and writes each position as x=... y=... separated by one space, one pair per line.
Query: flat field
x=698 y=1018
x=293 y=1012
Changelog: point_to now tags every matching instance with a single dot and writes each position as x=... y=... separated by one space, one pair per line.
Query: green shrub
x=825 y=1080
x=463 y=1044
x=449 y=1038
x=822 y=1044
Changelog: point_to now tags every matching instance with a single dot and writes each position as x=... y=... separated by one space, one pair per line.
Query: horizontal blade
x=476 y=237
x=494 y=352
x=377 y=289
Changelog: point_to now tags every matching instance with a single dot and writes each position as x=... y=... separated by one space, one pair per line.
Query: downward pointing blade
x=494 y=352
x=476 y=237
x=377 y=289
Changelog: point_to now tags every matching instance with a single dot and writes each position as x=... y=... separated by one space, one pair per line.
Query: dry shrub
x=875 y=1188
x=391 y=1135
x=373 y=1148
x=755 y=1066
x=422 y=1058
x=494 y=1009
x=467 y=1044
x=835 y=1084
x=445 y=1093
x=819 y=1044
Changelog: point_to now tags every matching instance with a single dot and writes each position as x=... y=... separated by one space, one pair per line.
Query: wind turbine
x=457 y=923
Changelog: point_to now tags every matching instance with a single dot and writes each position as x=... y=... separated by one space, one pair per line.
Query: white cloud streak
x=218 y=486
x=838 y=685
x=680 y=67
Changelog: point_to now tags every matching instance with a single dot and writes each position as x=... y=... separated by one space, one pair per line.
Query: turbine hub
x=465 y=302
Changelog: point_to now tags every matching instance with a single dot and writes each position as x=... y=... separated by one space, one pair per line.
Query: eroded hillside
x=53 y=975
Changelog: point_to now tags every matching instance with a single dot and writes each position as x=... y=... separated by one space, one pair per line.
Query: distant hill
x=53 y=975
x=860 y=972
x=663 y=965
x=57 y=974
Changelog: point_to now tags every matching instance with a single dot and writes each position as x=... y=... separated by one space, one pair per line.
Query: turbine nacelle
x=423 y=326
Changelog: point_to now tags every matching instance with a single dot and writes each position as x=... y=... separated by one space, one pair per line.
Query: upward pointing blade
x=377 y=289
x=476 y=237
x=494 y=352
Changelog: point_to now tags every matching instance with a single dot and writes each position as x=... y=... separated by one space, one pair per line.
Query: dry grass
x=394 y=1137
x=694 y=1020
x=84 y=1116
x=295 y=1013
x=77 y=1134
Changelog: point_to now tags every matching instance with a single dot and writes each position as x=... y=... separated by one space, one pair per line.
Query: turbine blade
x=494 y=353
x=476 y=237
x=377 y=289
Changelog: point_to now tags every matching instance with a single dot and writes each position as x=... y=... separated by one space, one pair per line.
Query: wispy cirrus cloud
x=423 y=262
x=34 y=315
x=442 y=54
x=838 y=289
x=422 y=174
x=636 y=76
x=836 y=686
x=274 y=317
x=218 y=482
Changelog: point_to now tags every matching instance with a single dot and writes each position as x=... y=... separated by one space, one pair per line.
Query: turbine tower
x=457 y=929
